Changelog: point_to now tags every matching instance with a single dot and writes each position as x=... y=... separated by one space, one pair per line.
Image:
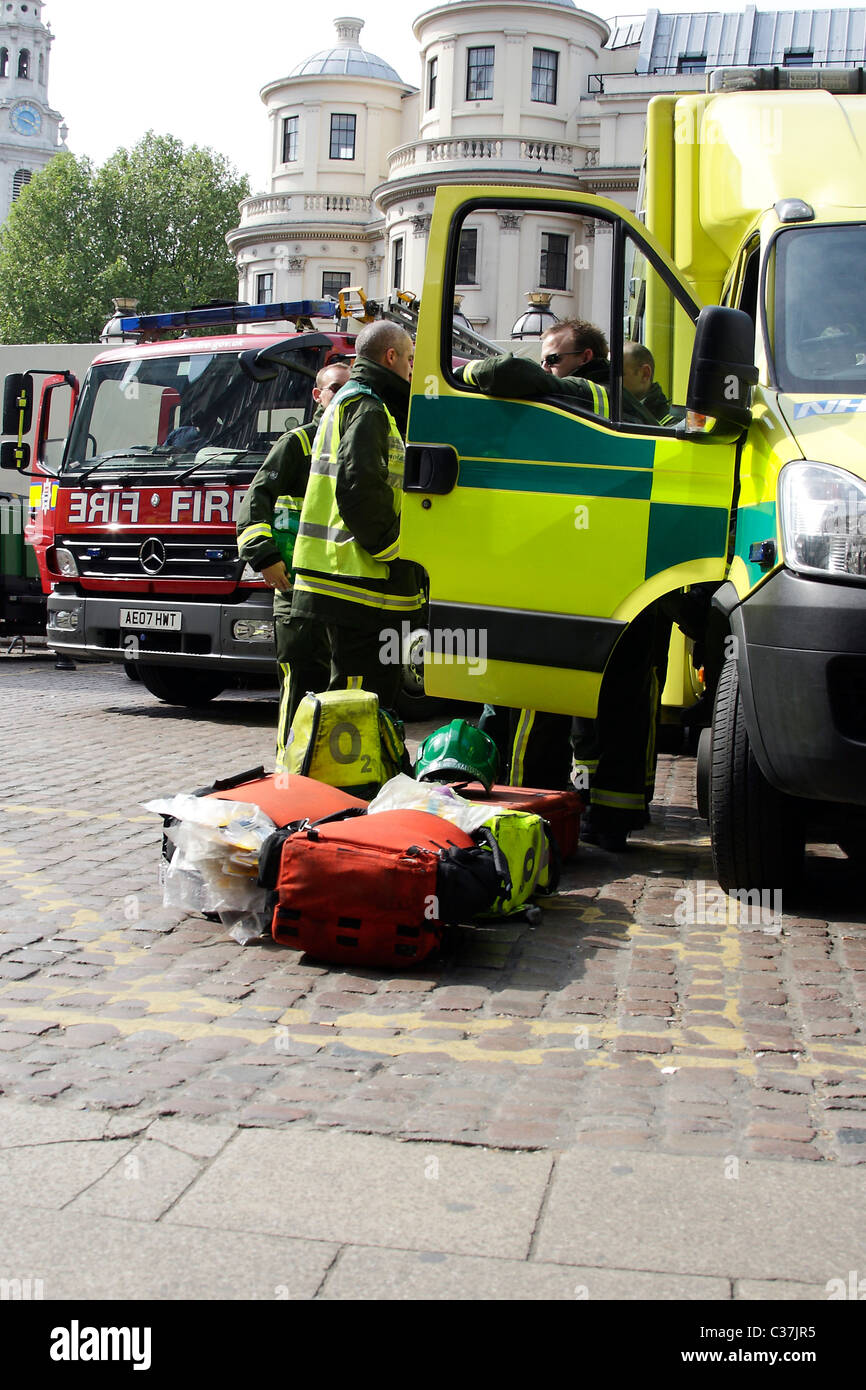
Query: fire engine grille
x=178 y=557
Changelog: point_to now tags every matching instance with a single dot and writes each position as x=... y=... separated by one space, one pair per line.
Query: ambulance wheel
x=413 y=703
x=757 y=833
x=703 y=770
x=175 y=686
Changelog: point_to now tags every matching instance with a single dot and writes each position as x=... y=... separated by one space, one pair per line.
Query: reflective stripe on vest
x=324 y=544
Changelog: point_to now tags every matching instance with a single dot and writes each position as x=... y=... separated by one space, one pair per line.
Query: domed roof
x=347 y=58
x=566 y=4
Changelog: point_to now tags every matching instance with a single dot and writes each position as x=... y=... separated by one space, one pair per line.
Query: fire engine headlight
x=252 y=630
x=66 y=620
x=823 y=520
x=64 y=561
x=250 y=576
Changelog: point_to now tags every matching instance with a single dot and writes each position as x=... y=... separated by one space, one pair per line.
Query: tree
x=149 y=225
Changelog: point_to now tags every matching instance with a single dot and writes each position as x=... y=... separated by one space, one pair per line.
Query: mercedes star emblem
x=152 y=556
x=154 y=499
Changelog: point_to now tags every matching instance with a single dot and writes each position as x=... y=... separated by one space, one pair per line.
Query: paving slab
x=361 y=1189
x=81 y=1257
x=142 y=1184
x=776 y=1220
x=783 y=1289
x=50 y=1175
x=25 y=1124
x=363 y=1274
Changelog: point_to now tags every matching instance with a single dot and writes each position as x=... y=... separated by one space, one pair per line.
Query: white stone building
x=523 y=92
x=31 y=132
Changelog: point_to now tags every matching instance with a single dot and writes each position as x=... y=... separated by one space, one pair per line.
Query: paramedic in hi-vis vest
x=349 y=575
x=617 y=750
x=268 y=517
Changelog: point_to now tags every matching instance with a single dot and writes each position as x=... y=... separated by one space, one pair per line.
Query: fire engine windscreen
x=158 y=412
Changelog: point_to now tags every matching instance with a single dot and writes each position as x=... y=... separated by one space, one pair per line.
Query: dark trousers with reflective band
x=357 y=651
x=618 y=747
x=540 y=749
x=303 y=662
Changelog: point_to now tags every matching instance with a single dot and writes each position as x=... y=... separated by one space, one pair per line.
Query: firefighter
x=616 y=752
x=265 y=522
x=349 y=575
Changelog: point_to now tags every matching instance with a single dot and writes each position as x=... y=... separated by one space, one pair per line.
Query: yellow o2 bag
x=525 y=855
x=343 y=738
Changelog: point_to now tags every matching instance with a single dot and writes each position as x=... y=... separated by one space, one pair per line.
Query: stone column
x=508 y=302
x=511 y=92
x=447 y=90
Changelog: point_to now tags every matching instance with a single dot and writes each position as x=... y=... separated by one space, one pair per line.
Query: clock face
x=26 y=118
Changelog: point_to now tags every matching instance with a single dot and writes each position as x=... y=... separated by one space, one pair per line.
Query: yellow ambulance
x=545 y=530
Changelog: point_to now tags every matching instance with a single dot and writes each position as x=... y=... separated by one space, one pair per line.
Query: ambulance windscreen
x=816 y=306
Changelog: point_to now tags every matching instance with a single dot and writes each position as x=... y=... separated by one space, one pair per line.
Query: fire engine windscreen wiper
x=231 y=457
x=136 y=451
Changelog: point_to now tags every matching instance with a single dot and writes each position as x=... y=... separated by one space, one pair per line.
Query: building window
x=265 y=289
x=397 y=265
x=343 y=137
x=24 y=63
x=290 y=139
x=4 y=62
x=798 y=58
x=545 y=70
x=22 y=176
x=467 y=257
x=553 y=272
x=42 y=69
x=333 y=281
x=479 y=74
x=692 y=63
x=432 y=77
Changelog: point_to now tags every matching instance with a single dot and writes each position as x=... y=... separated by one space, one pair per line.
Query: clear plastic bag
x=403 y=793
x=215 y=863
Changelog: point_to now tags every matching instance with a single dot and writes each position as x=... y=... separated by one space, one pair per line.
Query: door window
x=614 y=317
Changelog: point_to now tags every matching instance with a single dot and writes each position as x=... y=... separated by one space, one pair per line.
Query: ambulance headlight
x=64 y=563
x=823 y=520
x=252 y=630
x=66 y=620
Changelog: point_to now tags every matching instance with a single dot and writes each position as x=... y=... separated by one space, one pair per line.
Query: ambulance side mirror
x=18 y=403
x=723 y=369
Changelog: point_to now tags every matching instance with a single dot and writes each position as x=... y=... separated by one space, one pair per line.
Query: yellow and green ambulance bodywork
x=545 y=531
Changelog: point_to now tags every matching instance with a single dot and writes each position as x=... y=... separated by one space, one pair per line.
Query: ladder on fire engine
x=402 y=307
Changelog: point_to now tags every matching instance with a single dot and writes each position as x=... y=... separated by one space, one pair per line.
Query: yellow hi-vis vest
x=324 y=545
x=328 y=560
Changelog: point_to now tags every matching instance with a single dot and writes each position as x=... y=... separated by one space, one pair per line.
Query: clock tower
x=31 y=133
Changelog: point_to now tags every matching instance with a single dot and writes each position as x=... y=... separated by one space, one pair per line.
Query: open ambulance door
x=545 y=528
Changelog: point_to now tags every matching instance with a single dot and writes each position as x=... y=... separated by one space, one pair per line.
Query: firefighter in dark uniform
x=349 y=575
x=273 y=502
x=616 y=751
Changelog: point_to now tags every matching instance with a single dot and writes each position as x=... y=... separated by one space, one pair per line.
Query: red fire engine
x=134 y=526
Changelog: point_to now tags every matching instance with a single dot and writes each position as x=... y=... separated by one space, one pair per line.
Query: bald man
x=349 y=574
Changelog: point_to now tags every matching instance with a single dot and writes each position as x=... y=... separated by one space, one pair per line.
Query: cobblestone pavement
x=609 y=1025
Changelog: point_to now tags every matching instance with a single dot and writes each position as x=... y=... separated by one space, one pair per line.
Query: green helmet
x=458 y=752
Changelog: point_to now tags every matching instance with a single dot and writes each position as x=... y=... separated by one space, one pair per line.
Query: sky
x=194 y=68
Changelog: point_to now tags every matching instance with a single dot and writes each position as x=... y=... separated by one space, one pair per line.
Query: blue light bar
x=232 y=313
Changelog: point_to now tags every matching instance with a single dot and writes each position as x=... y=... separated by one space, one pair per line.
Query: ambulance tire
x=175 y=686
x=757 y=833
x=703 y=772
